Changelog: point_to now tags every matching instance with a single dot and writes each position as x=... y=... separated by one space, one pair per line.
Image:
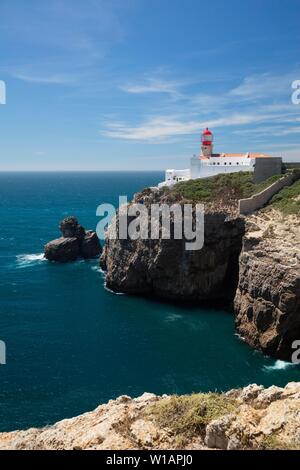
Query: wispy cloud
x=262 y=86
x=232 y=108
x=153 y=85
x=166 y=127
x=50 y=79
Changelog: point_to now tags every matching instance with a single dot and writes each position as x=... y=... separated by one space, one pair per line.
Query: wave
x=98 y=270
x=279 y=365
x=112 y=291
x=24 y=261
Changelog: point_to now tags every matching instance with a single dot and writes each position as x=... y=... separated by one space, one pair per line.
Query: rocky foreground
x=249 y=418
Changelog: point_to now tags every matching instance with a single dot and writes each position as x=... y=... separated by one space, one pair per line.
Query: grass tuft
x=273 y=442
x=188 y=415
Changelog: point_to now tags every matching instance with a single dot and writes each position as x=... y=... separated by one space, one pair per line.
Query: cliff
x=249 y=418
x=248 y=263
x=267 y=301
x=164 y=268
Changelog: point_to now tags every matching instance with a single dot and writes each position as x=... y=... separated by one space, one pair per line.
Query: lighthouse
x=207 y=143
x=210 y=164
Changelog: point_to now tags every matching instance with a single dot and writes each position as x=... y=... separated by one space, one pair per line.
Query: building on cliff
x=211 y=164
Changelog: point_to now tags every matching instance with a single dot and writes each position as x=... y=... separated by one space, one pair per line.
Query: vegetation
x=288 y=199
x=226 y=187
x=188 y=415
x=273 y=442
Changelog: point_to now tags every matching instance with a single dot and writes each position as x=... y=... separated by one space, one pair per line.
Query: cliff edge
x=249 y=418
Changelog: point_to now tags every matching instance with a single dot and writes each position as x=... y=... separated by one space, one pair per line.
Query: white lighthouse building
x=210 y=164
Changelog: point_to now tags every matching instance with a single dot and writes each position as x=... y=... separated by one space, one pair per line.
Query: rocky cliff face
x=258 y=418
x=267 y=301
x=164 y=268
x=259 y=271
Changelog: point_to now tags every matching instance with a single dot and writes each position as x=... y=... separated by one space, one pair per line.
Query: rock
x=267 y=300
x=265 y=397
x=76 y=242
x=147 y=397
x=250 y=393
x=62 y=250
x=70 y=228
x=216 y=437
x=129 y=424
x=145 y=433
x=90 y=246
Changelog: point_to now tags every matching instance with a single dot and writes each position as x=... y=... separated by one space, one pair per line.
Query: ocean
x=71 y=344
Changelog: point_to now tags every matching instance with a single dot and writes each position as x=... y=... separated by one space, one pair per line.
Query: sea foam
x=28 y=260
x=279 y=365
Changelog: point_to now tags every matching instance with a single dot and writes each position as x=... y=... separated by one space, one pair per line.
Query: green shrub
x=223 y=187
x=188 y=415
x=288 y=199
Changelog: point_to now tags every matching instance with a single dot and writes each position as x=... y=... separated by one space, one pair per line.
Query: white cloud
x=263 y=86
x=153 y=85
x=50 y=79
x=237 y=107
x=166 y=127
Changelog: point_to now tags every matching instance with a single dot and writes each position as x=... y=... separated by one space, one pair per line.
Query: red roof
x=207 y=132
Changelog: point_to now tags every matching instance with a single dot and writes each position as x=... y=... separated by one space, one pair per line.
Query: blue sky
x=129 y=84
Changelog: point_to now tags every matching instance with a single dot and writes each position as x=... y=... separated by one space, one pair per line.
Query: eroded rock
x=265 y=418
x=62 y=250
x=76 y=242
x=267 y=301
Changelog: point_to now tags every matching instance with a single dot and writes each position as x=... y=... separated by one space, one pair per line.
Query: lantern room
x=207 y=143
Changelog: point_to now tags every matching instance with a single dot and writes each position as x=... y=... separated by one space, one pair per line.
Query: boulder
x=90 y=245
x=76 y=242
x=62 y=250
x=70 y=228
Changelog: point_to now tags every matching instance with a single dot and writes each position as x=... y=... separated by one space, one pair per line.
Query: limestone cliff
x=267 y=301
x=164 y=268
x=250 y=418
x=256 y=268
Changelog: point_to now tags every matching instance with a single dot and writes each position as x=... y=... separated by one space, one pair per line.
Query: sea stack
x=76 y=242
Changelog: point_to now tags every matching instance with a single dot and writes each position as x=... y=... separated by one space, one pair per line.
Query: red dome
x=207 y=132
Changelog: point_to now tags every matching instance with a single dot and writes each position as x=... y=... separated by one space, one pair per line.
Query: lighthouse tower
x=207 y=143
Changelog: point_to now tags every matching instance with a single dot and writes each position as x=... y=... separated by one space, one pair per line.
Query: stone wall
x=266 y=167
x=257 y=201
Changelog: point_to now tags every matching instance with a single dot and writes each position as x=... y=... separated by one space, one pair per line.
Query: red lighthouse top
x=207 y=137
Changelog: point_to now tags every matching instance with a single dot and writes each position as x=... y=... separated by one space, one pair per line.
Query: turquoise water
x=71 y=344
